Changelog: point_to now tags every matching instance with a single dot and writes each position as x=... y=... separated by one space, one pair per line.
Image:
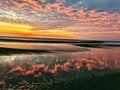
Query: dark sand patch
x=9 y=51
x=105 y=82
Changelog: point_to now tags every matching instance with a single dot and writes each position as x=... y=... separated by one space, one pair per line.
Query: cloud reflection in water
x=36 y=68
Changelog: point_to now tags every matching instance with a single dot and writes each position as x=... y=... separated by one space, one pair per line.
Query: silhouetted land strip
x=7 y=51
x=77 y=42
x=49 y=40
x=54 y=40
x=93 y=45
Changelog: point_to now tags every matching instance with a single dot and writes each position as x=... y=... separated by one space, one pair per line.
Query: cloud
x=77 y=64
x=92 y=15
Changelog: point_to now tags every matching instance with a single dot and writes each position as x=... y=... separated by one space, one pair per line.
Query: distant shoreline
x=82 y=43
x=57 y=40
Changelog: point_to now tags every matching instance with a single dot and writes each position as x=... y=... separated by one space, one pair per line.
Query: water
x=64 y=62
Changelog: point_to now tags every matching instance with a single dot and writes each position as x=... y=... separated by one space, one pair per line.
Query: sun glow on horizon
x=28 y=31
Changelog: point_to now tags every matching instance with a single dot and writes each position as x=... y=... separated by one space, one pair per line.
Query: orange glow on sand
x=28 y=31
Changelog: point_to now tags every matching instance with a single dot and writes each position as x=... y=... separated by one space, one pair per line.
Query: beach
x=59 y=67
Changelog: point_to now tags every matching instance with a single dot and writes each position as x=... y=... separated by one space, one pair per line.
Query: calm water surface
x=60 y=64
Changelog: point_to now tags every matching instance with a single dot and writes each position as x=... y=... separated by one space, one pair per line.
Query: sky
x=81 y=19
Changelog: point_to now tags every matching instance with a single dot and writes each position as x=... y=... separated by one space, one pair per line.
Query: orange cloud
x=16 y=69
x=81 y=15
x=57 y=15
x=75 y=63
x=2 y=82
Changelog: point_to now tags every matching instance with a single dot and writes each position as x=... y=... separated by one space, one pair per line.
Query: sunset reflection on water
x=35 y=68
